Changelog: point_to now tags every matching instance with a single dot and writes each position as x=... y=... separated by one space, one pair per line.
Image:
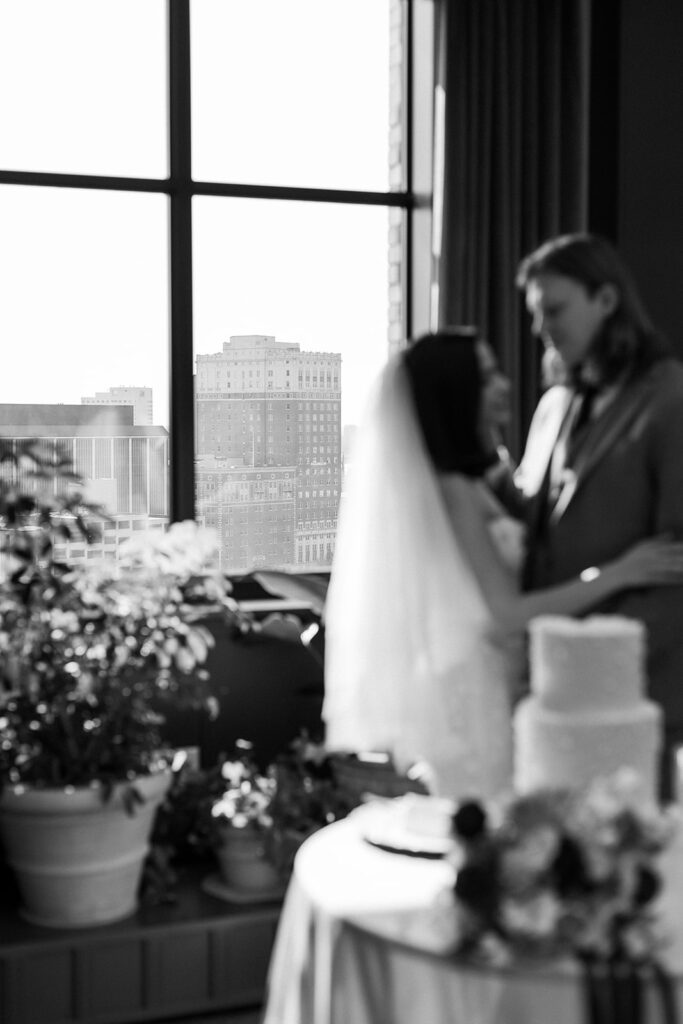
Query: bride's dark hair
x=446 y=381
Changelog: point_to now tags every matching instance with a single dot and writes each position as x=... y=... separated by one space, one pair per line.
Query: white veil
x=407 y=631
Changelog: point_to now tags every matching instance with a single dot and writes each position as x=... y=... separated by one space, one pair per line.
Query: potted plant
x=89 y=654
x=218 y=817
x=307 y=797
x=241 y=824
x=247 y=822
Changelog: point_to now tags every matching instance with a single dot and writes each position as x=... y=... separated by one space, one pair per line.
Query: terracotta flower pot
x=78 y=859
x=244 y=862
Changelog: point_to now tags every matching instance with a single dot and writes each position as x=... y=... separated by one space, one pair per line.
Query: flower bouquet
x=556 y=872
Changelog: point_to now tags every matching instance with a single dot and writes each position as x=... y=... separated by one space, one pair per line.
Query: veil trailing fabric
x=411 y=666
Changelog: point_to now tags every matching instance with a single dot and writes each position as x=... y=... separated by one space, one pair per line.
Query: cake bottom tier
x=568 y=750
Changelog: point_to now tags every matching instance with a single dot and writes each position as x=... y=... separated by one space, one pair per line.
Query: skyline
x=269 y=459
x=85 y=272
x=106 y=396
x=80 y=338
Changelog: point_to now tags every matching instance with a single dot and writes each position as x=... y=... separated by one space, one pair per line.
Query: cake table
x=365 y=937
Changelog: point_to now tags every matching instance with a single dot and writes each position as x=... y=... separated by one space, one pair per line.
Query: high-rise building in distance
x=139 y=398
x=269 y=459
x=124 y=467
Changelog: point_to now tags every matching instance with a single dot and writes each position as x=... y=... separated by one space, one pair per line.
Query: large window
x=207 y=213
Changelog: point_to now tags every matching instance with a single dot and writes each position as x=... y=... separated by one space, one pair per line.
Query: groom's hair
x=446 y=381
x=628 y=341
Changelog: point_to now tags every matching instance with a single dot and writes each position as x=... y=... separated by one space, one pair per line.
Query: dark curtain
x=513 y=81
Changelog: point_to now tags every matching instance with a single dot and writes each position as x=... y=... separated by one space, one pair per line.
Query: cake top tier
x=587 y=665
x=601 y=626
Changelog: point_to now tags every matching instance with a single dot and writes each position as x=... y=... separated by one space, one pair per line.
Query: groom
x=603 y=464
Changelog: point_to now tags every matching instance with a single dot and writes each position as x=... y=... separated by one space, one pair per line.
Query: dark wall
x=268 y=690
x=650 y=174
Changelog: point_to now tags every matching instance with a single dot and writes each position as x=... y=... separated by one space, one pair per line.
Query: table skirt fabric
x=367 y=937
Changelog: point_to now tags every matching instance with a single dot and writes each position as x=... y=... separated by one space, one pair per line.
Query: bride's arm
x=653 y=562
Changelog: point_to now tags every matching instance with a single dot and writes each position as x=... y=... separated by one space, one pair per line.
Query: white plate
x=382 y=823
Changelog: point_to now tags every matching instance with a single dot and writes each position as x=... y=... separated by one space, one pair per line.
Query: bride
x=425 y=622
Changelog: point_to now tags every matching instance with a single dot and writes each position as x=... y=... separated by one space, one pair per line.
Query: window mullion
x=182 y=443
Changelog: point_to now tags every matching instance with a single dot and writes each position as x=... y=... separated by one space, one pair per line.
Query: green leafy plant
x=187 y=832
x=90 y=653
x=294 y=797
x=307 y=797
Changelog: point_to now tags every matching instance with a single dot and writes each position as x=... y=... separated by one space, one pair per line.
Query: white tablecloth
x=365 y=937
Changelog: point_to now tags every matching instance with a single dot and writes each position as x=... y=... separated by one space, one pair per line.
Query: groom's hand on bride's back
x=655 y=561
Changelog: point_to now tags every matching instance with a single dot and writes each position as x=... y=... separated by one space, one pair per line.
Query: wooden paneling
x=198 y=955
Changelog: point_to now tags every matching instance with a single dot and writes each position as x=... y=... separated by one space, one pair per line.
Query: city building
x=139 y=398
x=269 y=460
x=124 y=466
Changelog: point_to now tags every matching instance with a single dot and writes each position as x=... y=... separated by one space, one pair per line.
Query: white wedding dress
x=415 y=664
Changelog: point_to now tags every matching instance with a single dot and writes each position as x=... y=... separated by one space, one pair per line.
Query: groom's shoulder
x=666 y=382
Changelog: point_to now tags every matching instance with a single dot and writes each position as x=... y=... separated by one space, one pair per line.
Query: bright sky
x=293 y=93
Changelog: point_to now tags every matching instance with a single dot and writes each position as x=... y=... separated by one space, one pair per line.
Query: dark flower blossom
x=564 y=870
x=469 y=821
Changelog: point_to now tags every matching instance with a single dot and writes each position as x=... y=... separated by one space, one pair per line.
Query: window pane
x=291 y=327
x=298 y=93
x=84 y=322
x=84 y=86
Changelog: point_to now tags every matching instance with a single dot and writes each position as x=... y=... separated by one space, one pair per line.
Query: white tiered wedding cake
x=587 y=714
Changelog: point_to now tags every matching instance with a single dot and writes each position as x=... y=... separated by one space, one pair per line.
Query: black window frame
x=414 y=198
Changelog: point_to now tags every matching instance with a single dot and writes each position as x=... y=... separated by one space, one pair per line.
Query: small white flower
x=184 y=659
x=233 y=772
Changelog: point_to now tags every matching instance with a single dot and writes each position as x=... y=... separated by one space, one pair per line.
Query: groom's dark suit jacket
x=625 y=482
